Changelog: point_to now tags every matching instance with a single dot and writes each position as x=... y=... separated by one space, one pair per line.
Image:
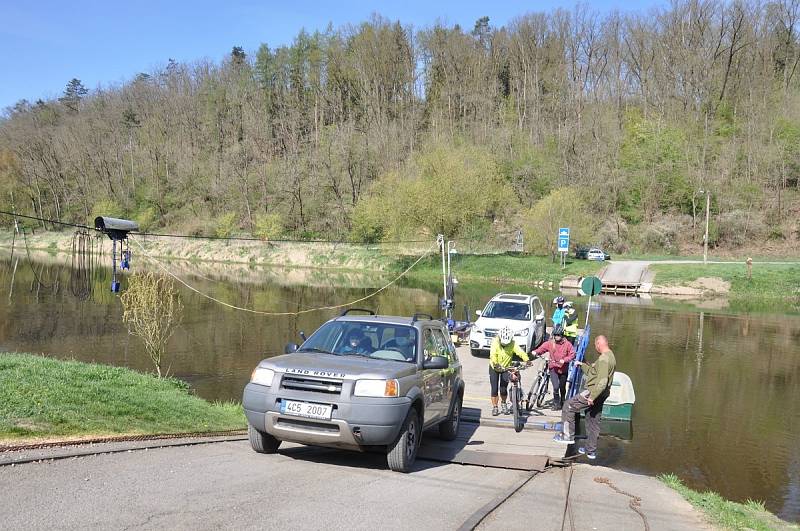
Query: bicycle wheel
x=516 y=397
x=541 y=391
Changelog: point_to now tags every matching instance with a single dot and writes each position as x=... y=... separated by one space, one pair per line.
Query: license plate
x=306 y=409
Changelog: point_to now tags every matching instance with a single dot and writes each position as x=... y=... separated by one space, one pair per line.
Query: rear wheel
x=448 y=430
x=403 y=452
x=541 y=391
x=261 y=442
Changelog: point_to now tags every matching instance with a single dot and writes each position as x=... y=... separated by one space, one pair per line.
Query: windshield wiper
x=315 y=349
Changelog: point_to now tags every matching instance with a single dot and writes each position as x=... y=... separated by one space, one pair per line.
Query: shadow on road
x=433 y=452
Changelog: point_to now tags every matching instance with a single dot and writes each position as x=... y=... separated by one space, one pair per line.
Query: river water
x=717 y=390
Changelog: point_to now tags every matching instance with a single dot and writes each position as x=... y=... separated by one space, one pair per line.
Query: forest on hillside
x=617 y=125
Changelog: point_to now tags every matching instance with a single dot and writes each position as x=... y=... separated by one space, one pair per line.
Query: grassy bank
x=48 y=398
x=725 y=513
x=778 y=281
x=506 y=268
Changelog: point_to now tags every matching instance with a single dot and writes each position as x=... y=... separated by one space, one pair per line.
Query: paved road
x=227 y=486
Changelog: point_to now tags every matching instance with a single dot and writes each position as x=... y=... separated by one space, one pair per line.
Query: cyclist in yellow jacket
x=501 y=355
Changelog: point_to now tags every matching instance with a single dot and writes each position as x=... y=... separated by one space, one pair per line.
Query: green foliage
x=653 y=156
x=226 y=225
x=564 y=207
x=106 y=207
x=442 y=191
x=268 y=226
x=45 y=397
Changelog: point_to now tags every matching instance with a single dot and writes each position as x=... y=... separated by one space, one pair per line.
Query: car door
x=432 y=380
x=538 y=315
x=444 y=346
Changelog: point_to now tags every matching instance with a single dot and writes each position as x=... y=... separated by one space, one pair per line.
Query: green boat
x=619 y=404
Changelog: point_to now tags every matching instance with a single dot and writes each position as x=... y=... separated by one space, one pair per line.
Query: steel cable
x=276 y=314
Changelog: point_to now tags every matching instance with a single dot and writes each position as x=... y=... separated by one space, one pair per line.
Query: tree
x=73 y=94
x=564 y=207
x=152 y=311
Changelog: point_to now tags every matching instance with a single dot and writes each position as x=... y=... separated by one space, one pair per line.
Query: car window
x=507 y=310
x=439 y=345
x=538 y=307
x=372 y=340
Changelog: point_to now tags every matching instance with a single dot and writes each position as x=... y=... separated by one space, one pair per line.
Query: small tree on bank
x=152 y=311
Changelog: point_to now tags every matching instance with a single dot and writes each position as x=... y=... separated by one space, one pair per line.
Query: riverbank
x=772 y=282
x=725 y=513
x=46 y=398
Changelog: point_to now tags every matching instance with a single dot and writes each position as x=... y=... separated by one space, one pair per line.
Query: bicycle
x=515 y=393
x=539 y=389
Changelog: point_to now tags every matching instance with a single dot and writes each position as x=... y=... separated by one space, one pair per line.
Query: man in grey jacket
x=598 y=376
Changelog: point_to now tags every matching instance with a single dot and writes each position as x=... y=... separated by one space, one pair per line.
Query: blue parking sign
x=563 y=240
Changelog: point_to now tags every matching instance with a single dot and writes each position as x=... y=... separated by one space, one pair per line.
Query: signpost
x=563 y=245
x=591 y=286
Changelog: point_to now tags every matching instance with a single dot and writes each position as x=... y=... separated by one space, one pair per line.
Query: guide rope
x=277 y=314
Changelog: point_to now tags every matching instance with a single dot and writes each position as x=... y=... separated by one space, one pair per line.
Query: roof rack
x=347 y=311
x=418 y=315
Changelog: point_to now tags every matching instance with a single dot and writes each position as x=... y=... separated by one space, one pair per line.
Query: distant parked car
x=597 y=254
x=581 y=253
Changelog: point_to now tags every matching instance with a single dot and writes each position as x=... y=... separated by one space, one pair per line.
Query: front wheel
x=261 y=442
x=516 y=397
x=403 y=452
x=475 y=352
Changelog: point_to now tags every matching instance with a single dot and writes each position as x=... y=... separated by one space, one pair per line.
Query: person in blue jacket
x=558 y=314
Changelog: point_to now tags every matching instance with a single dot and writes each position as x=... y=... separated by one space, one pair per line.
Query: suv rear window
x=507 y=310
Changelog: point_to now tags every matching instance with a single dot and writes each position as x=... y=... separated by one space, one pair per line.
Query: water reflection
x=716 y=390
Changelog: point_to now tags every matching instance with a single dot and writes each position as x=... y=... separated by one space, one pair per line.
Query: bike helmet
x=559 y=300
x=558 y=331
x=506 y=336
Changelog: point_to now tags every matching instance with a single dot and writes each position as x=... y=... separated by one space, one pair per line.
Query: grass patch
x=781 y=281
x=502 y=267
x=45 y=397
x=725 y=513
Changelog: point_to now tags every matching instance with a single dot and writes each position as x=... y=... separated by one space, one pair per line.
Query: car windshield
x=370 y=340
x=507 y=310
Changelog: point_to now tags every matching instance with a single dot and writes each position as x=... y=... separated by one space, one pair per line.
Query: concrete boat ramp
x=490 y=477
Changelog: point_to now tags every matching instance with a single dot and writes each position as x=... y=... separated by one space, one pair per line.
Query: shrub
x=226 y=225
x=152 y=311
x=663 y=234
x=736 y=227
x=268 y=226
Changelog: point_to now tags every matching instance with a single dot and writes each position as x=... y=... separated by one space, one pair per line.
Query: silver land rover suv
x=359 y=382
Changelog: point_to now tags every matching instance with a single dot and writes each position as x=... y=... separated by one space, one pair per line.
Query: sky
x=44 y=44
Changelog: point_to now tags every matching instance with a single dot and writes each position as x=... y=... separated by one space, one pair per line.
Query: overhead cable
x=276 y=314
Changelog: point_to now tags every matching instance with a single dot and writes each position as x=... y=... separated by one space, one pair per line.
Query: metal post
x=441 y=242
x=705 y=239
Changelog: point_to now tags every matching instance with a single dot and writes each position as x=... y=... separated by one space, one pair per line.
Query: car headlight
x=523 y=333
x=262 y=376
x=376 y=388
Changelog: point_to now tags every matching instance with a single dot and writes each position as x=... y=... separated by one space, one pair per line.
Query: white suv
x=524 y=314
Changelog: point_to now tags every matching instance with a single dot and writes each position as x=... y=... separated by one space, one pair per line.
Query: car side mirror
x=478 y=313
x=436 y=362
x=291 y=347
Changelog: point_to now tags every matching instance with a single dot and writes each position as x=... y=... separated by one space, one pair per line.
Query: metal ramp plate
x=529 y=463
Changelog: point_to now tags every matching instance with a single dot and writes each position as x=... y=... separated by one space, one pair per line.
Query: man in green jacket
x=598 y=377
